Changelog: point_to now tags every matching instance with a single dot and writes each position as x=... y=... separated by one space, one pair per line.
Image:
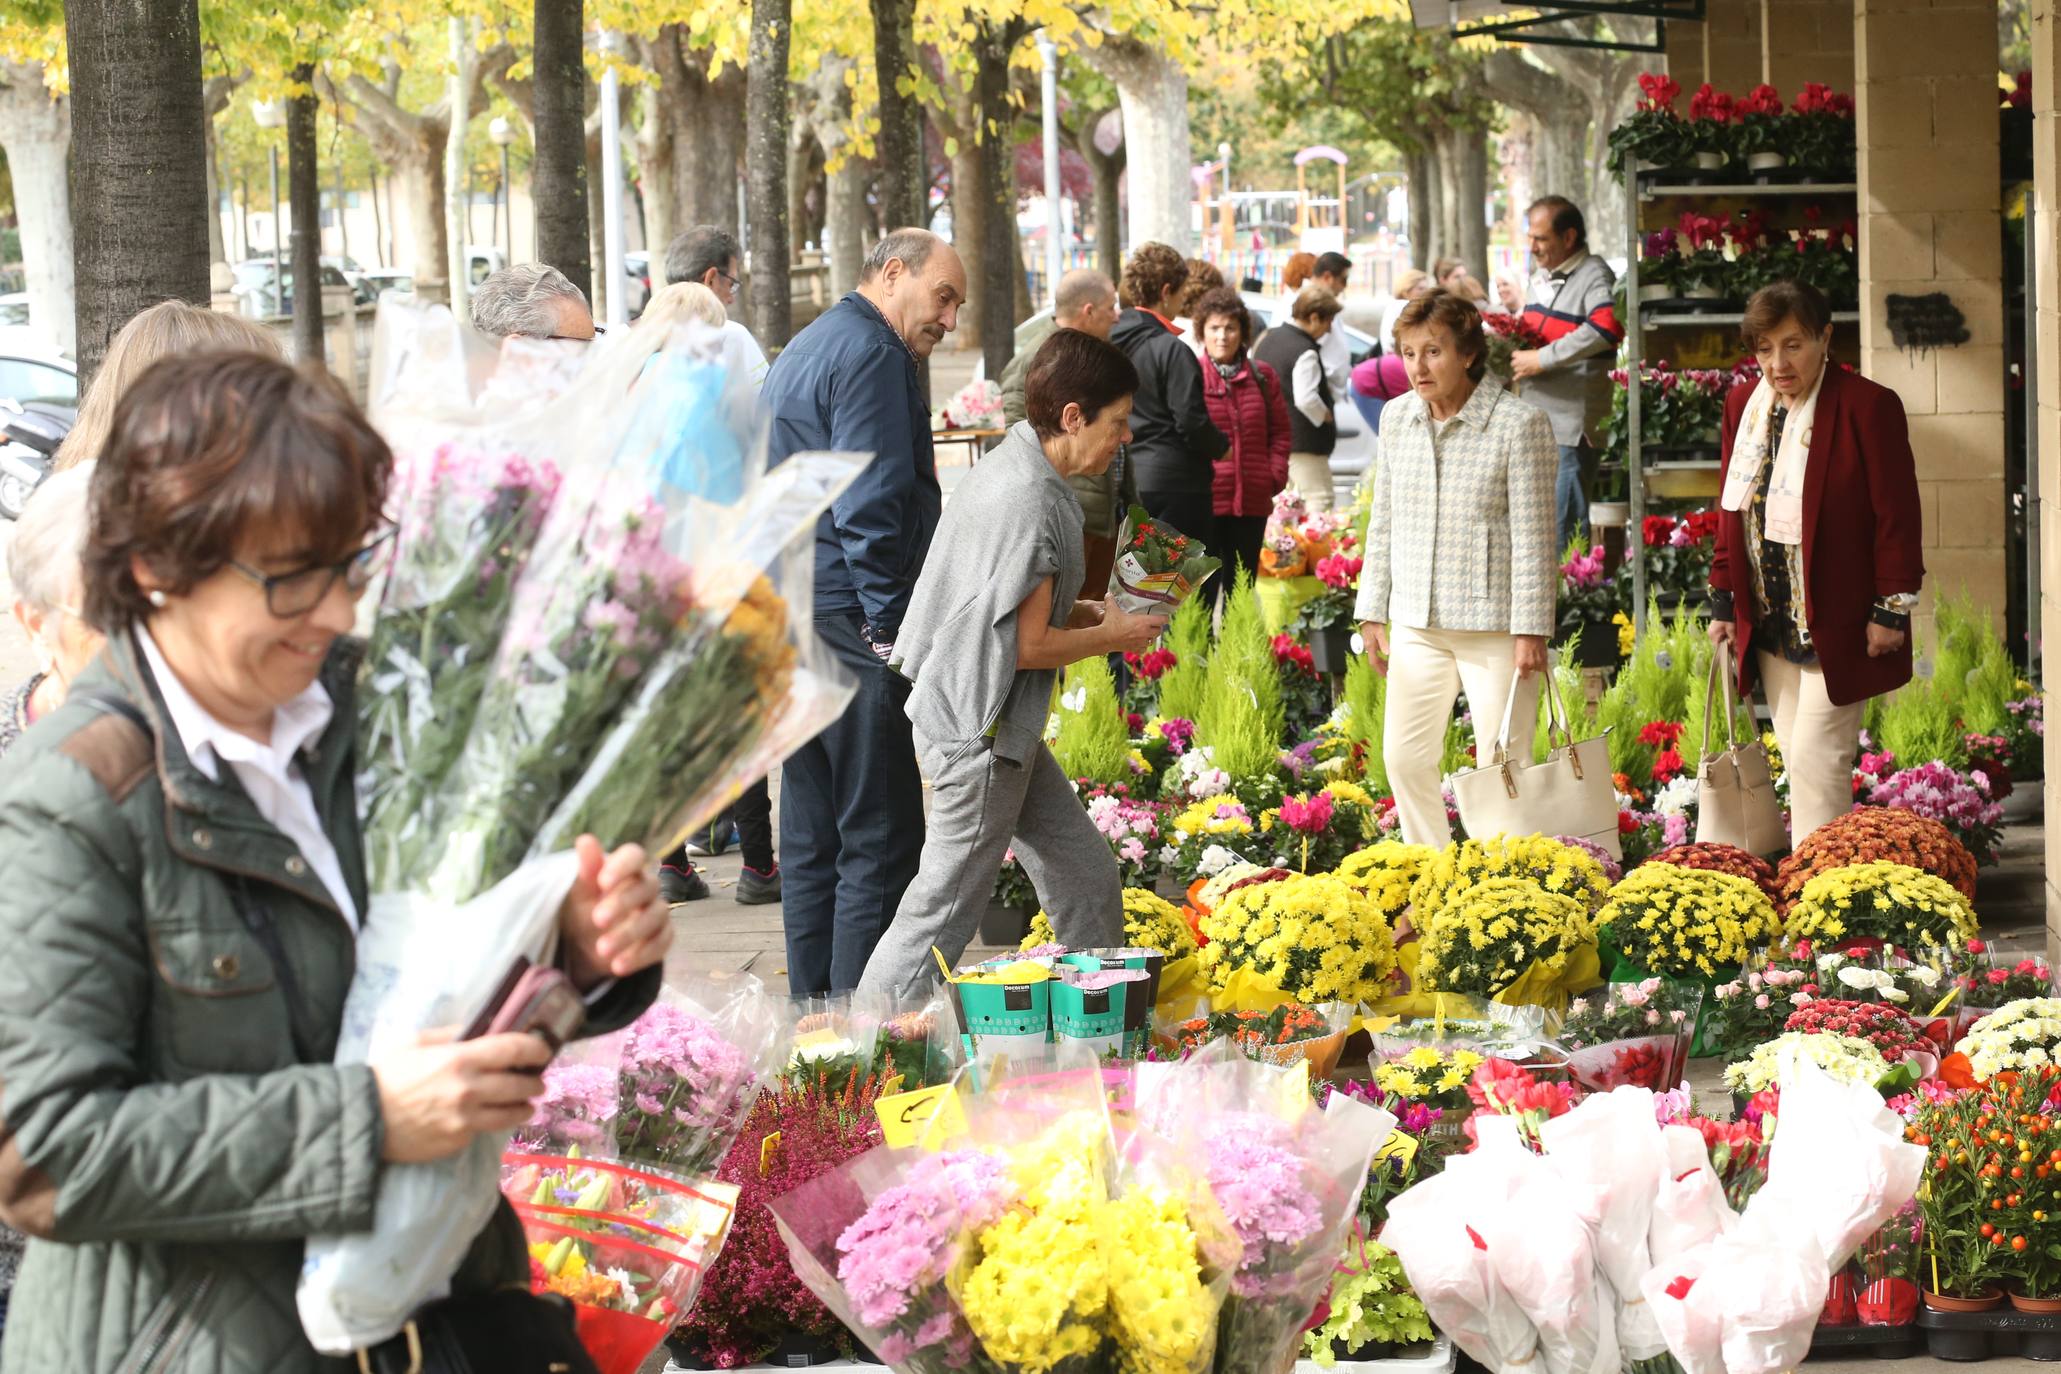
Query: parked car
x=361 y=290
x=39 y=398
x=637 y=268
x=385 y=279
x=19 y=332
x=258 y=295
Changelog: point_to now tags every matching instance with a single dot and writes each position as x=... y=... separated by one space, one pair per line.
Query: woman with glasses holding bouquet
x=185 y=886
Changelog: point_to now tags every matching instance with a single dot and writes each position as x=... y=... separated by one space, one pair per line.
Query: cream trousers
x=1310 y=474
x=1426 y=671
x=1818 y=742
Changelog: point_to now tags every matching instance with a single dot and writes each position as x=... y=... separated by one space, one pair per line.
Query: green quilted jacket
x=159 y=1142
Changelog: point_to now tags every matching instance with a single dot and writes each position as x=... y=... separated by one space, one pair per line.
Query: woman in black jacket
x=1173 y=444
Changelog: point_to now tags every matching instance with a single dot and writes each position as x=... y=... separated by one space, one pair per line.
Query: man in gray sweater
x=994 y=619
x=1572 y=303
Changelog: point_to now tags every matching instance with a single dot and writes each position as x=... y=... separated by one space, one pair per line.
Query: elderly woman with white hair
x=43 y=569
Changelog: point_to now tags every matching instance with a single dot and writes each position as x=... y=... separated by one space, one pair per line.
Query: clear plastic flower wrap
x=668 y=1092
x=597 y=648
x=1286 y=1175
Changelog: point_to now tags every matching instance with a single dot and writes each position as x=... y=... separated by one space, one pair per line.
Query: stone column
x=1927 y=114
x=1807 y=40
x=2046 y=230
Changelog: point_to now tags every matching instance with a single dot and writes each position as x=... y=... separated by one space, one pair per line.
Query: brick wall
x=1784 y=42
x=1927 y=101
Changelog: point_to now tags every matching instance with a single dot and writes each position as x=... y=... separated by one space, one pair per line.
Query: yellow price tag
x=927 y=1117
x=890 y=1085
x=1944 y=1002
x=1299 y=1081
x=816 y=1039
x=1399 y=1145
x=766 y=1149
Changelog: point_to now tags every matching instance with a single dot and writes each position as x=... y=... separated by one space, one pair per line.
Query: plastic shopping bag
x=422 y=966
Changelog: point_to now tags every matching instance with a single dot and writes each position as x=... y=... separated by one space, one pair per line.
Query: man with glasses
x=708 y=257
x=532 y=301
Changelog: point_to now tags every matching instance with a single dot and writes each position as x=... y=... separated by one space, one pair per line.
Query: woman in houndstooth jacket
x=1458 y=587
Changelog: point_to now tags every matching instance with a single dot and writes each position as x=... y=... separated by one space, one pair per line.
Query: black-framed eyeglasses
x=599 y=330
x=289 y=596
x=735 y=282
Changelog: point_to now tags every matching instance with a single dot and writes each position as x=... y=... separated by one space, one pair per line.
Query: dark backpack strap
x=250 y=909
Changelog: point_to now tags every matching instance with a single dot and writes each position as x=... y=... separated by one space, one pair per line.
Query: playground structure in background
x=1252 y=234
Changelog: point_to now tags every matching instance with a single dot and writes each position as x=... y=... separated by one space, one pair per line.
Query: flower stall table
x=972 y=442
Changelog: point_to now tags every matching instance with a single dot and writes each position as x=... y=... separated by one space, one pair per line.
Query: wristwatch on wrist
x=1893 y=612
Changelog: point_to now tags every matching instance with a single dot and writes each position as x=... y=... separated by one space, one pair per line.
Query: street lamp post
x=271 y=115
x=1048 y=57
x=503 y=134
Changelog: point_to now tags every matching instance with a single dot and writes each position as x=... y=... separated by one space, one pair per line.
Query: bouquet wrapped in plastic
x=1287 y=1176
x=570 y=640
x=1157 y=567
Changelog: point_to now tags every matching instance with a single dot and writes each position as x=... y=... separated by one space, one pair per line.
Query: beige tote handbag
x=1735 y=792
x=1569 y=794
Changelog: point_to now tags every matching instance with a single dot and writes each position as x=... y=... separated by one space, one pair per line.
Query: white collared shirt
x=270 y=773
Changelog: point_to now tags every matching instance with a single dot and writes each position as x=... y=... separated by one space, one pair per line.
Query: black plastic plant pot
x=1330 y=648
x=1943 y=1344
x=2040 y=1345
x=1004 y=925
x=1598 y=645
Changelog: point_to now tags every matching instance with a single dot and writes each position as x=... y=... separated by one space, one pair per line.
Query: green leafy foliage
x=1187 y=634
x=1972 y=671
x=1366 y=700
x=1241 y=716
x=1918 y=724
x=1371 y=1303
x=1092 y=742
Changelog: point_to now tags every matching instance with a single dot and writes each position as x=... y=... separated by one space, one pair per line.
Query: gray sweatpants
x=978 y=805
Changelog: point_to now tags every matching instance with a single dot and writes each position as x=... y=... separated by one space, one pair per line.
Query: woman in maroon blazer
x=1818 y=557
x=1245 y=401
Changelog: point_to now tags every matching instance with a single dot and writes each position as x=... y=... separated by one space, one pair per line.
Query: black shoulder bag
x=508 y=1330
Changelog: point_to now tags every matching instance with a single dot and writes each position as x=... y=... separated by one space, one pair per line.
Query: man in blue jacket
x=851 y=800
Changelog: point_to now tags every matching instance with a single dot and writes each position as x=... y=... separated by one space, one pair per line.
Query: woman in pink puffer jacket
x=1246 y=402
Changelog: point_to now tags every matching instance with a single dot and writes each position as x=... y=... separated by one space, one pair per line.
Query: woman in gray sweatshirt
x=994 y=618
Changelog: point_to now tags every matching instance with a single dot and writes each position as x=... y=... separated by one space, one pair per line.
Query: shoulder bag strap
x=255 y=915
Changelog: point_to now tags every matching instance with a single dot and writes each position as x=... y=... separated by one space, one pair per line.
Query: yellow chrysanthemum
x=1899 y=905
x=1548 y=864
x=1385 y=873
x=1684 y=922
x=1150 y=922
x=1316 y=938
x=1485 y=938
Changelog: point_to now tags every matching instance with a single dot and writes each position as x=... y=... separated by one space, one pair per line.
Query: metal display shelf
x=1674 y=477
x=1773 y=188
x=1678 y=319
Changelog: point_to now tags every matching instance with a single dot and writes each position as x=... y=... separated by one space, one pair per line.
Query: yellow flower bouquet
x=1509 y=937
x=1150 y=922
x=1553 y=867
x=1686 y=922
x=1881 y=904
x=1430 y=1075
x=1312 y=937
x=1384 y=873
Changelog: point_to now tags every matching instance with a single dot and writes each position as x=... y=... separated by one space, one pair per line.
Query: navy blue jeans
x=1571 y=492
x=851 y=823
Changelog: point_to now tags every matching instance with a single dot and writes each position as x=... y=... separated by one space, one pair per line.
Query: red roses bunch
x=1891 y=1031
